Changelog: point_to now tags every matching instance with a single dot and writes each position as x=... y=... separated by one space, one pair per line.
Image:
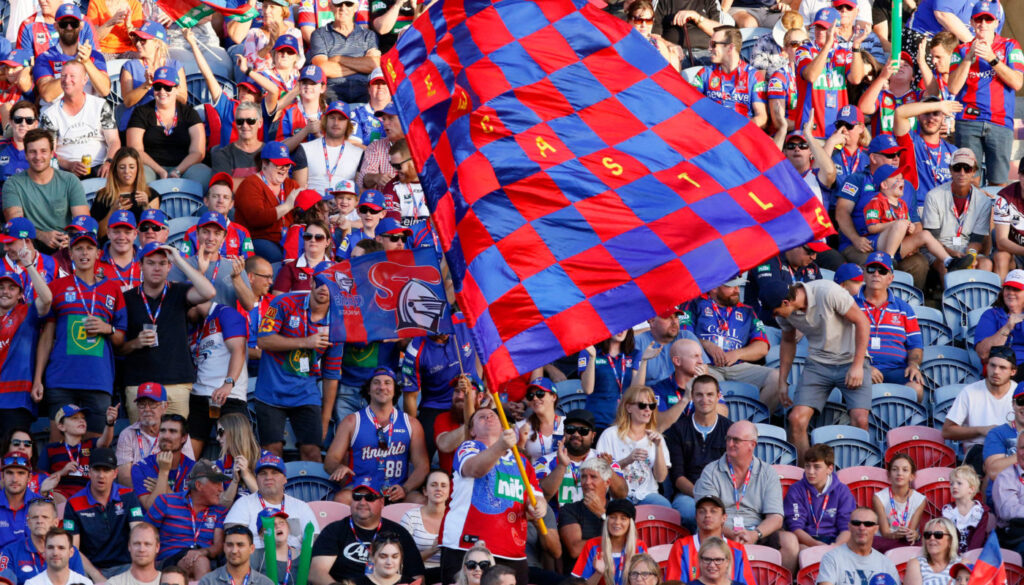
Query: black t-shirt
x=170 y=362
x=405 y=15
x=166 y=150
x=338 y=539
x=578 y=513
x=665 y=12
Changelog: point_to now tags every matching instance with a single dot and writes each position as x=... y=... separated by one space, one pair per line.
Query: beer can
x=87 y=160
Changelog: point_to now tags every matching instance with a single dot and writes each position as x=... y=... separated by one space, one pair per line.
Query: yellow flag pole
x=519 y=462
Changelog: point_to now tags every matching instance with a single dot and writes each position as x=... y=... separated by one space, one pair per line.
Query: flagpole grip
x=519 y=462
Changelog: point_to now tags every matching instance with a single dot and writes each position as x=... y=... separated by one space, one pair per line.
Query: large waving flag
x=577 y=183
x=989 y=568
x=188 y=13
x=387 y=295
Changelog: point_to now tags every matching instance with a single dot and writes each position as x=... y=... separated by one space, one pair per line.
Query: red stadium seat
x=900 y=556
x=656 y=532
x=1014 y=574
x=933 y=483
x=654 y=512
x=788 y=475
x=766 y=573
x=924 y=445
x=327 y=512
x=807 y=575
x=864 y=482
x=660 y=554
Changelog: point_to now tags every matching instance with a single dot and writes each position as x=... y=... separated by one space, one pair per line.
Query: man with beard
x=403 y=195
x=559 y=473
x=140 y=440
x=166 y=471
x=47 y=70
x=734 y=337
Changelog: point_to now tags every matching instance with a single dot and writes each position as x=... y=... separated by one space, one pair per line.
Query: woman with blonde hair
x=968 y=515
x=643 y=570
x=137 y=74
x=476 y=560
x=634 y=442
x=938 y=555
x=239 y=453
x=604 y=558
x=125 y=189
x=715 y=558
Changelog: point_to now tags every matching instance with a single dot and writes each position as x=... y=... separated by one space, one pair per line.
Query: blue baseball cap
x=385 y=371
x=269 y=513
x=20 y=228
x=66 y=411
x=156 y=216
x=122 y=217
x=312 y=73
x=287 y=41
x=152 y=248
x=543 y=383
x=277 y=153
x=368 y=482
x=372 y=198
x=83 y=223
x=12 y=276
x=336 y=107
x=826 y=17
x=985 y=8
x=79 y=236
x=389 y=226
x=165 y=76
x=848 y=271
x=884 y=144
x=17 y=58
x=67 y=11
x=151 y=390
x=882 y=174
x=772 y=293
x=851 y=115
x=212 y=217
x=151 y=30
x=270 y=461
x=389 y=110
x=880 y=258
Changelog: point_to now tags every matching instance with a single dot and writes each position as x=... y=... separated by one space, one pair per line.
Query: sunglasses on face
x=369 y=497
x=797 y=146
x=880 y=270
x=68 y=23
x=937 y=535
x=646 y=405
x=1019 y=401
x=318 y=237
x=793 y=44
x=581 y=431
x=865 y=523
x=843 y=126
x=398 y=165
x=472 y=565
x=714 y=44
x=163 y=87
x=23 y=119
x=220 y=433
x=368 y=209
x=844 y=8
x=536 y=394
x=643 y=20
x=150 y=228
x=962 y=168
x=249 y=121
x=21 y=442
x=395 y=238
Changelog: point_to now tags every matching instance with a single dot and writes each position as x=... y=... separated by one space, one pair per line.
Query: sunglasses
x=1019 y=401
x=714 y=44
x=162 y=87
x=843 y=126
x=937 y=535
x=866 y=523
x=881 y=270
x=244 y=121
x=369 y=497
x=318 y=237
x=646 y=405
x=797 y=146
x=398 y=166
x=537 y=394
x=472 y=565
x=21 y=442
x=962 y=168
x=368 y=209
x=68 y=23
x=220 y=433
x=395 y=238
x=844 y=8
x=23 y=119
x=149 y=227
x=793 y=44
x=643 y=20
x=581 y=431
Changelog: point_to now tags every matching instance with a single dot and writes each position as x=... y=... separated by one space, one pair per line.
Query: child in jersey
x=344 y=216
x=287 y=557
x=69 y=459
x=284 y=74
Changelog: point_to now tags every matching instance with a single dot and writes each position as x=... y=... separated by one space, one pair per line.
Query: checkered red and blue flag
x=577 y=183
x=989 y=568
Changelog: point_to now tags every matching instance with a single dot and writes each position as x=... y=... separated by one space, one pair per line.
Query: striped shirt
x=894 y=325
x=181 y=526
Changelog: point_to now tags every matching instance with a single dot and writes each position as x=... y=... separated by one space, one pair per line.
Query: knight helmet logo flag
x=385 y=295
x=578 y=184
x=989 y=568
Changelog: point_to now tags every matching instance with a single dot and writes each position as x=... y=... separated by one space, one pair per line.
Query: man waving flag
x=577 y=183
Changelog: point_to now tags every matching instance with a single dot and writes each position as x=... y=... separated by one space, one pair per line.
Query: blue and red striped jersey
x=730 y=328
x=181 y=526
x=57 y=456
x=46 y=266
x=74 y=350
x=895 y=326
x=127 y=277
x=290 y=378
x=738 y=91
x=827 y=94
x=19 y=332
x=984 y=96
x=684 y=566
x=237 y=242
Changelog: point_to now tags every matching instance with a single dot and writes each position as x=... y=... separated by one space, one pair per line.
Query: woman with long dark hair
x=126 y=188
x=540 y=433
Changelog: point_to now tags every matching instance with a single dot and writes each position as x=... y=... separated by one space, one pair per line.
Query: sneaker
x=964 y=262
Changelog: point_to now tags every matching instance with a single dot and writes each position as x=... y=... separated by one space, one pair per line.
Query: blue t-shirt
x=993 y=320
x=430 y=366
x=51 y=63
x=12 y=160
x=12 y=523
x=612 y=375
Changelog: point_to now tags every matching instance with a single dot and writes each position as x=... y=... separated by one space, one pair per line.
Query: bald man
x=673 y=393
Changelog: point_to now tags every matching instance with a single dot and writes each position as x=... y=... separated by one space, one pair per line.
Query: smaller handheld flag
x=188 y=13
x=989 y=569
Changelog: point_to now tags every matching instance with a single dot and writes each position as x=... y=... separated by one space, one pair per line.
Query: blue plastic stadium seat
x=892 y=406
x=308 y=481
x=772 y=446
x=966 y=290
x=944 y=364
x=934 y=329
x=852 y=445
x=744 y=402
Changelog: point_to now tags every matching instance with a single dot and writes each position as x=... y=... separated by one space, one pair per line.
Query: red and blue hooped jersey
x=984 y=96
x=885 y=110
x=827 y=94
x=738 y=91
x=45 y=265
x=174 y=518
x=729 y=328
x=74 y=351
x=237 y=242
x=19 y=332
x=880 y=210
x=896 y=327
x=781 y=85
x=127 y=277
x=387 y=465
x=288 y=124
x=683 y=564
x=592 y=550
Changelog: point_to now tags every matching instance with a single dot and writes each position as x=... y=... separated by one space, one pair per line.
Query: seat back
x=308 y=481
x=660 y=555
x=788 y=475
x=943 y=365
x=934 y=330
x=808 y=575
x=891 y=410
x=812 y=555
x=571 y=402
x=655 y=512
x=912 y=433
x=199 y=93
x=327 y=512
x=394 y=512
x=908 y=293
x=864 y=482
x=966 y=290
x=655 y=532
x=925 y=453
x=972 y=323
x=176 y=229
x=933 y=483
x=942 y=399
x=744 y=402
x=767 y=573
x=775 y=451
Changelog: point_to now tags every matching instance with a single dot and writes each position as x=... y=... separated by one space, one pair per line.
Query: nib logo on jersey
x=509 y=487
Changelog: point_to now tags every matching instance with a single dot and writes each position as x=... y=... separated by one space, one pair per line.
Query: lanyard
x=723 y=322
x=337 y=161
x=130 y=278
x=280 y=189
x=619 y=375
x=142 y=448
x=845 y=162
x=145 y=303
x=179 y=479
x=874 y=317
x=356 y=534
x=896 y=523
x=618 y=565
x=264 y=504
x=737 y=495
x=934 y=160
x=6 y=317
x=810 y=506
x=192 y=516
x=74 y=460
x=288 y=567
x=90 y=309
x=174 y=123
x=961 y=218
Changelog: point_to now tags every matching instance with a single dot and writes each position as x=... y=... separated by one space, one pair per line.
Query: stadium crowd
x=169 y=390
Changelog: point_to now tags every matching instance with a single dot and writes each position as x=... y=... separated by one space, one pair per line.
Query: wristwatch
x=759 y=535
x=994 y=62
x=229 y=380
